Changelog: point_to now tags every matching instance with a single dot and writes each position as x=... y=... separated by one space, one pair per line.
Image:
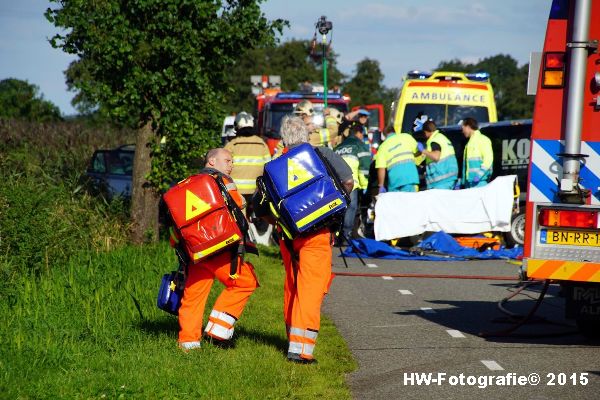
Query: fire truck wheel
x=516 y=235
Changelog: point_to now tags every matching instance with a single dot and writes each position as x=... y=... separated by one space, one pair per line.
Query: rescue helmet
x=243 y=120
x=337 y=114
x=305 y=107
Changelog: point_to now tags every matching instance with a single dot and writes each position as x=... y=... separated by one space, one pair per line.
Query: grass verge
x=91 y=329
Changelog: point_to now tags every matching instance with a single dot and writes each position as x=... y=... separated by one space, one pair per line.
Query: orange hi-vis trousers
x=306 y=283
x=228 y=306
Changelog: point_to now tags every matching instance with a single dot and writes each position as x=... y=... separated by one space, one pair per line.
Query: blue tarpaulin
x=438 y=247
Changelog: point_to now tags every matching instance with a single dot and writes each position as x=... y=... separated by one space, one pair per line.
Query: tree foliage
x=21 y=100
x=290 y=60
x=162 y=63
x=508 y=80
x=366 y=86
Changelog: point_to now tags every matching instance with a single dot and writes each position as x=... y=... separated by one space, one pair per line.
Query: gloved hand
x=476 y=179
x=457 y=186
x=382 y=189
x=420 y=146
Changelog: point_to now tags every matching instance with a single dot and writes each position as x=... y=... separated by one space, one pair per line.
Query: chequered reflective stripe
x=220 y=325
x=250 y=160
x=546 y=168
x=563 y=270
x=245 y=183
x=302 y=341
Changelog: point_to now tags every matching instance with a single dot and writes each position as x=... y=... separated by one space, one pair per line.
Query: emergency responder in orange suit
x=308 y=269
x=231 y=302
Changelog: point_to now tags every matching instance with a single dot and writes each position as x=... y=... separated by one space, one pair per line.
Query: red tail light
x=568 y=218
x=554 y=61
x=553 y=74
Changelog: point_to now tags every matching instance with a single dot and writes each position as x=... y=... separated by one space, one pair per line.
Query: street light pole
x=324 y=44
x=324 y=26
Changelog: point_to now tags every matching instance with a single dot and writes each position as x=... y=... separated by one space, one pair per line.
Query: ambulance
x=562 y=224
x=444 y=97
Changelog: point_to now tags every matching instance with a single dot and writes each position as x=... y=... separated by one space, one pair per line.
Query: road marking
x=388 y=278
x=372 y=265
x=455 y=334
x=429 y=310
x=492 y=365
x=403 y=291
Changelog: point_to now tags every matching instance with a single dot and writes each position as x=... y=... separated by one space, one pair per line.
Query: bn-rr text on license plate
x=573 y=238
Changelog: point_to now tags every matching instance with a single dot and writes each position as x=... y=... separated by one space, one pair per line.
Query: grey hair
x=293 y=130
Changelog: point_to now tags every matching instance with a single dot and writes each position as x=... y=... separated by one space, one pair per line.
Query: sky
x=402 y=35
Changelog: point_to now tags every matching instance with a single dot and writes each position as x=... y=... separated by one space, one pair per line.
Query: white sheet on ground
x=469 y=211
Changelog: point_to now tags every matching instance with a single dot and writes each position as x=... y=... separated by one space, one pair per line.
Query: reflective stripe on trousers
x=302 y=341
x=220 y=325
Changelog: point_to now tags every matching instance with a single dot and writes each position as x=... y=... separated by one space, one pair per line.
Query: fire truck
x=562 y=233
x=273 y=105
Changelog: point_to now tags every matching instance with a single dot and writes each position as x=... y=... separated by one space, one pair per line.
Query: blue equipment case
x=170 y=292
x=304 y=191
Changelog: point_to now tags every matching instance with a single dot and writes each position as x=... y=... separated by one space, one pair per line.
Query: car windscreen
x=441 y=114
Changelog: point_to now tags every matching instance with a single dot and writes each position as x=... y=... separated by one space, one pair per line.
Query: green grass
x=91 y=329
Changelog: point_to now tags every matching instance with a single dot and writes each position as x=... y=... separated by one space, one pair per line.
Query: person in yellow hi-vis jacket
x=318 y=136
x=478 y=157
x=250 y=153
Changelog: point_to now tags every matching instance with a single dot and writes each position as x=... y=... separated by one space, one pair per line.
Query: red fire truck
x=562 y=236
x=273 y=105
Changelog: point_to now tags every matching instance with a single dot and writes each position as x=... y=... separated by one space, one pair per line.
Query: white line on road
x=428 y=310
x=372 y=265
x=492 y=365
x=388 y=278
x=454 y=333
x=404 y=291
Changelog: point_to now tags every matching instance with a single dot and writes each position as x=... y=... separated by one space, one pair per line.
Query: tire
x=516 y=235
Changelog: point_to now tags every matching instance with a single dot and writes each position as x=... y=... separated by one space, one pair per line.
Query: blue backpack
x=304 y=193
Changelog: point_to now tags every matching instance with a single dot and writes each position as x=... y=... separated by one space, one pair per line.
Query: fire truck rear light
x=554 y=61
x=553 y=79
x=568 y=218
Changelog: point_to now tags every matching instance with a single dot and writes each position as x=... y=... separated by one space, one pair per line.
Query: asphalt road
x=403 y=331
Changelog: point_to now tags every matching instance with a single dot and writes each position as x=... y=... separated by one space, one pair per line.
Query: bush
x=45 y=216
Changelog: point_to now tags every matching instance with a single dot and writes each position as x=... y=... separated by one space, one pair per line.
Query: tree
x=21 y=100
x=366 y=86
x=291 y=60
x=508 y=80
x=162 y=63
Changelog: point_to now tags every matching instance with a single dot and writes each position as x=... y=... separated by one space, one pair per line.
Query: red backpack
x=201 y=213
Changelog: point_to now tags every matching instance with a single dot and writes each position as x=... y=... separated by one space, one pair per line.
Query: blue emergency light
x=478 y=76
x=316 y=95
x=415 y=74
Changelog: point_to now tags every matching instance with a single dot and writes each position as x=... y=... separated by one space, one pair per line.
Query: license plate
x=572 y=238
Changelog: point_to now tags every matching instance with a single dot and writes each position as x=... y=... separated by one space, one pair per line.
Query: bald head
x=219 y=159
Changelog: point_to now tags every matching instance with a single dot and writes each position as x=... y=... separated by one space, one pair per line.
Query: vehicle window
x=98 y=165
x=278 y=110
x=273 y=118
x=119 y=163
x=441 y=114
x=455 y=114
